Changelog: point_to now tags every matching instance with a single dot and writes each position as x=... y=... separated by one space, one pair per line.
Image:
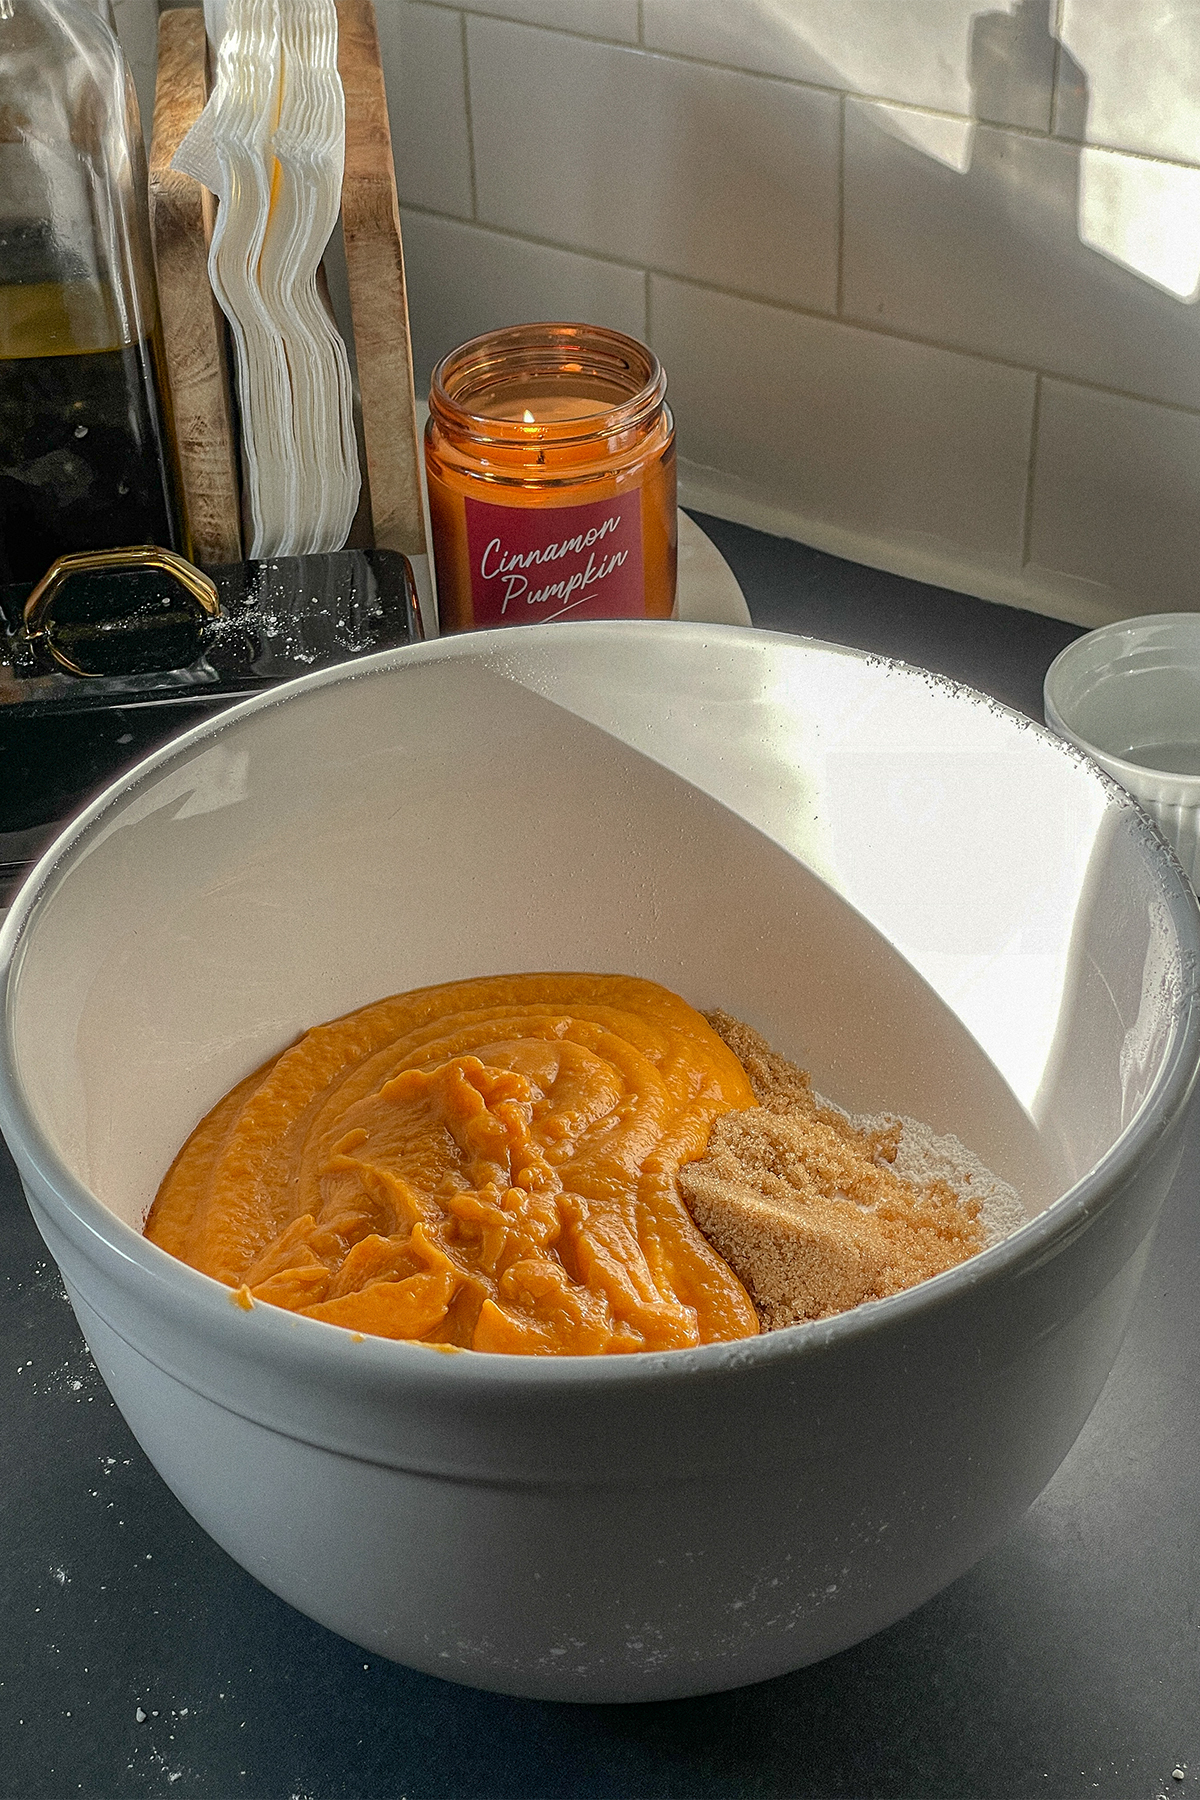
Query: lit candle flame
x=529 y=418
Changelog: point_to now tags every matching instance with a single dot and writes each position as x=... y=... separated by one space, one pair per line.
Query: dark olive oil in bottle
x=83 y=458
x=86 y=461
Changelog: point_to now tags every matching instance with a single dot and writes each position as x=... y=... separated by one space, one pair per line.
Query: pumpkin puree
x=490 y=1164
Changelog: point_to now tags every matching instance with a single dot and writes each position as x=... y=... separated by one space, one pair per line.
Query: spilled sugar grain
x=817 y=1211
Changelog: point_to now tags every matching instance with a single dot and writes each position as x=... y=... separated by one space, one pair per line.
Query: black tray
x=63 y=738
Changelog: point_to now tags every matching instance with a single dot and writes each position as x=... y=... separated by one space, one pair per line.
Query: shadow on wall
x=806 y=283
x=982 y=233
x=1012 y=244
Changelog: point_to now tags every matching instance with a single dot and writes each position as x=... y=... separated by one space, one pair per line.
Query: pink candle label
x=531 y=564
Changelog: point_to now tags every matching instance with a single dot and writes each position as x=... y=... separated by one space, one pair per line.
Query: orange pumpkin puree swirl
x=490 y=1164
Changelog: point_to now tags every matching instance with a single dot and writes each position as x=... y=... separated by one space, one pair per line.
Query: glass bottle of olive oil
x=85 y=450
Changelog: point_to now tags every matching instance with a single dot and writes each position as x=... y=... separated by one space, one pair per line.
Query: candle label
x=531 y=564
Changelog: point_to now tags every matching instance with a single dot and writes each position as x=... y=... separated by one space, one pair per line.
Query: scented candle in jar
x=550 y=453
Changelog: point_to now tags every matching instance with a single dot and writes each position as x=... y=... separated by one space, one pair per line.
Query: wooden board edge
x=378 y=292
x=193 y=329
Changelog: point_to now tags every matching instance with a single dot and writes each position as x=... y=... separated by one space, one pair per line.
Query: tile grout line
x=647 y=290
x=1054 y=73
x=1031 y=475
x=789 y=310
x=466 y=65
x=641 y=23
x=478 y=12
x=834 y=92
x=1029 y=132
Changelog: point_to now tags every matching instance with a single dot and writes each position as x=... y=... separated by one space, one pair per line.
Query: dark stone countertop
x=137 y=1659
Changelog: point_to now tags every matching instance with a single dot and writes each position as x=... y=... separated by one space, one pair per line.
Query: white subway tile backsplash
x=1117 y=499
x=463 y=280
x=594 y=18
x=873 y=436
x=422 y=52
x=1024 y=249
x=1129 y=76
x=948 y=54
x=728 y=178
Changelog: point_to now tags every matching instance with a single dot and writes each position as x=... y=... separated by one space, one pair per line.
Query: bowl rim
x=1142 y=779
x=128 y=1257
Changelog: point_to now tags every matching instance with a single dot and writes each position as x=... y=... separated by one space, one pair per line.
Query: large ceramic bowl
x=934 y=905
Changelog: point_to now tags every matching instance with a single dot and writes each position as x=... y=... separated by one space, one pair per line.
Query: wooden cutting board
x=194 y=331
x=378 y=298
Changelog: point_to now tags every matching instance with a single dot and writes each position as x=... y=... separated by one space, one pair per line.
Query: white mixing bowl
x=934 y=905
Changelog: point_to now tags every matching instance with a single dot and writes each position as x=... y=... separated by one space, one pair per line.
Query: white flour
x=924 y=1156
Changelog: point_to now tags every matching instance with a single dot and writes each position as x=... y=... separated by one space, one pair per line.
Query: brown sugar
x=806 y=1205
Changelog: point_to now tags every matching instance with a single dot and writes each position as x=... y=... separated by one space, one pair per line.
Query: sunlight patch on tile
x=1145 y=216
x=1136 y=76
x=948 y=141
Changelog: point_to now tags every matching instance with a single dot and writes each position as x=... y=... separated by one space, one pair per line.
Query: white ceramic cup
x=1129 y=694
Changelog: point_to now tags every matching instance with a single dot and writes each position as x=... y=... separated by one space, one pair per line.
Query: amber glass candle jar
x=550 y=452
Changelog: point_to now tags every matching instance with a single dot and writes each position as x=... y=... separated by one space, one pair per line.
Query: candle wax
x=541 y=408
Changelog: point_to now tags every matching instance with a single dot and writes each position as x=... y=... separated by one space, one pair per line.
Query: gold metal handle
x=129 y=557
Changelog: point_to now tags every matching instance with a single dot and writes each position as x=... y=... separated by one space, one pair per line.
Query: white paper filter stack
x=270 y=145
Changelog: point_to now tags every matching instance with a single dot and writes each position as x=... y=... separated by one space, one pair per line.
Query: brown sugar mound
x=805 y=1205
